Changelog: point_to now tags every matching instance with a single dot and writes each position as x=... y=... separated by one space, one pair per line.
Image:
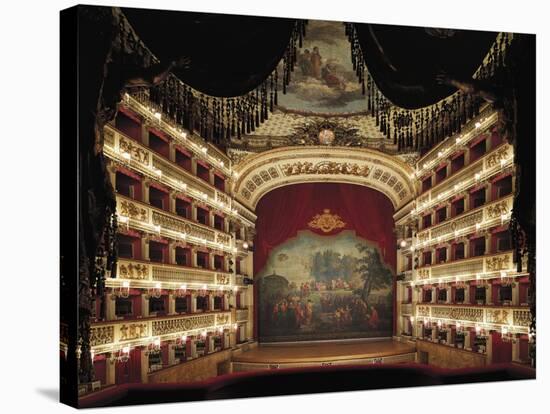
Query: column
x=171 y=353
x=193 y=348
x=467 y=339
x=171 y=304
x=435 y=332
x=145 y=248
x=226 y=339
x=210 y=218
x=172 y=152
x=210 y=339
x=242 y=332
x=110 y=370
x=194 y=210
x=434 y=295
x=193 y=302
x=449 y=338
x=515 y=294
x=211 y=260
x=171 y=252
x=193 y=165
x=144 y=366
x=110 y=314
x=225 y=301
x=467 y=294
x=515 y=349
x=145 y=190
x=172 y=201
x=211 y=301
x=449 y=294
x=144 y=305
x=489 y=348
x=145 y=133
x=112 y=174
x=489 y=294
x=488 y=238
x=244 y=299
x=211 y=176
x=193 y=256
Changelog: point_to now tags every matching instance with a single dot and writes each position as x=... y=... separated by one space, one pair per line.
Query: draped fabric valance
x=405 y=61
x=230 y=55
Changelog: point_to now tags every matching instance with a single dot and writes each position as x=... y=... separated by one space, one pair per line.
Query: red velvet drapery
x=285 y=211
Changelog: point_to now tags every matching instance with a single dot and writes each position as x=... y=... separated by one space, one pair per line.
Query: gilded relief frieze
x=133 y=271
x=133 y=331
x=101 y=335
x=133 y=211
x=168 y=326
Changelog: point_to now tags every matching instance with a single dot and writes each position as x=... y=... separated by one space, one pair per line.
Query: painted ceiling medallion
x=326 y=222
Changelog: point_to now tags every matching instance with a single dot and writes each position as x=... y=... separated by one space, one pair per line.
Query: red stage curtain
x=285 y=211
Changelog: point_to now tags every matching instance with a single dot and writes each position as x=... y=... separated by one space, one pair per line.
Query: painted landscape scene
x=325 y=287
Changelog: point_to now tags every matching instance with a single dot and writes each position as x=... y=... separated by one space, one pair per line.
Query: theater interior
x=275 y=206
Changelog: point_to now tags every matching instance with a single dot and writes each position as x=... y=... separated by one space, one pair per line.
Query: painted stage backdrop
x=317 y=287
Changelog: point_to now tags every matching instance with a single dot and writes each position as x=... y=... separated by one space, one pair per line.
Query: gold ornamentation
x=131 y=210
x=222 y=238
x=423 y=310
x=133 y=331
x=521 y=317
x=222 y=279
x=101 y=335
x=182 y=226
x=499 y=316
x=178 y=325
x=325 y=167
x=138 y=154
x=134 y=271
x=494 y=159
x=423 y=273
x=494 y=264
x=326 y=222
x=497 y=210
x=223 y=319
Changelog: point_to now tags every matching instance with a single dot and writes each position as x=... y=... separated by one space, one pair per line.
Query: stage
x=293 y=355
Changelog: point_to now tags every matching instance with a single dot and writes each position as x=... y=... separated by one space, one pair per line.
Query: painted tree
x=372 y=270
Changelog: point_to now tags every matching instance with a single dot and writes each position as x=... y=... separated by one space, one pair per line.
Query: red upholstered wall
x=286 y=210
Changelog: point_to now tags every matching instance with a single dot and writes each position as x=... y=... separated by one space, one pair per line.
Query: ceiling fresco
x=323 y=80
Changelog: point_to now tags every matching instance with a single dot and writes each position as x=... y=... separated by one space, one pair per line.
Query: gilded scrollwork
x=498 y=316
x=101 y=335
x=168 y=326
x=423 y=311
x=129 y=209
x=496 y=263
x=133 y=331
x=497 y=210
x=133 y=271
x=325 y=167
x=326 y=222
x=494 y=159
x=521 y=317
x=138 y=154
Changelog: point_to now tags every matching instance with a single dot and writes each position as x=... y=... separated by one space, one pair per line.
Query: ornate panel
x=176 y=275
x=168 y=326
x=268 y=170
x=101 y=335
x=521 y=317
x=131 y=331
x=496 y=263
x=133 y=210
x=132 y=270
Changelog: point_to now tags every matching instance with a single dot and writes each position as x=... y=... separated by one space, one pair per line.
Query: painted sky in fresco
x=323 y=80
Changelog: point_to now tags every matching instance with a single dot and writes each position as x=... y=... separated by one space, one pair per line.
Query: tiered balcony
x=108 y=336
x=127 y=151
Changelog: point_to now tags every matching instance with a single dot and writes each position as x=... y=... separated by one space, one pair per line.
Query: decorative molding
x=133 y=331
x=326 y=222
x=167 y=326
x=101 y=335
x=268 y=170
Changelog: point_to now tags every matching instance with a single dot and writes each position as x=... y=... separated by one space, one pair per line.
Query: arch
x=261 y=173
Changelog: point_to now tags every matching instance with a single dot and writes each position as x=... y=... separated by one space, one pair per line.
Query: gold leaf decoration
x=326 y=222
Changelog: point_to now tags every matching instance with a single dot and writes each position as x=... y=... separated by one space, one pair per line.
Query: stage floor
x=269 y=356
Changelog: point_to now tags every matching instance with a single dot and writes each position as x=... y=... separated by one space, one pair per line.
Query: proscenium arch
x=264 y=172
